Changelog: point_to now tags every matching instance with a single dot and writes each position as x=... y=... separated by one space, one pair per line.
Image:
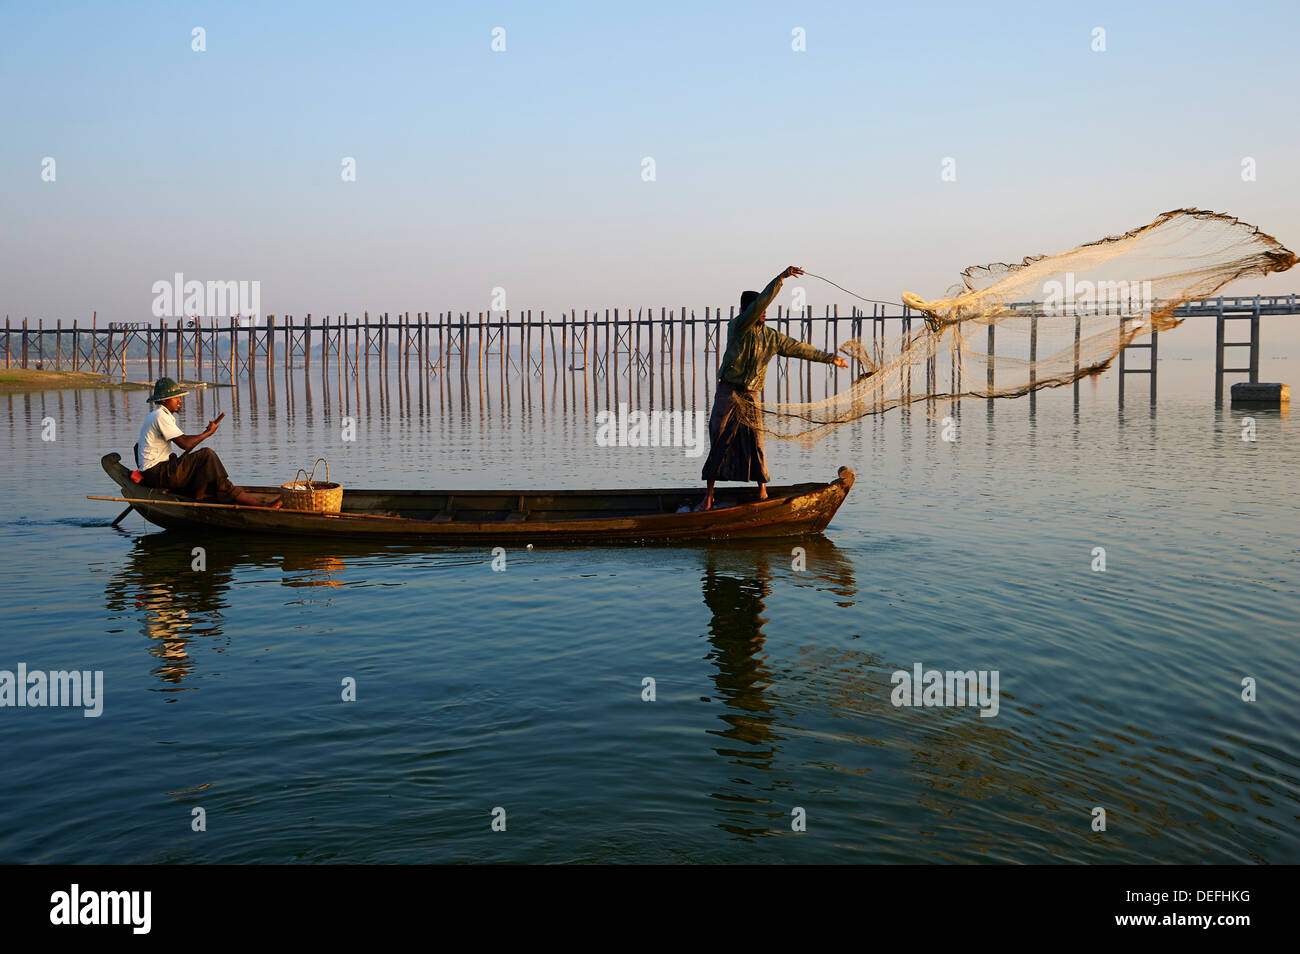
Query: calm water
x=522 y=689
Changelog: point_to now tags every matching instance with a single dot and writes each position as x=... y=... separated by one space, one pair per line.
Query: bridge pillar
x=1151 y=346
x=1247 y=312
x=1218 y=357
x=1254 y=344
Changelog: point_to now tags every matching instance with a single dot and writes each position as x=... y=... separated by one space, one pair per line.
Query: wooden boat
x=550 y=516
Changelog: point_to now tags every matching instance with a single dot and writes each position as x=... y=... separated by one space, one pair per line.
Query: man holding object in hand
x=199 y=474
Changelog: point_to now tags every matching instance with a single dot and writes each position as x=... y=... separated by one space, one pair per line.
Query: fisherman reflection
x=736 y=584
x=174 y=603
x=735 y=593
x=736 y=635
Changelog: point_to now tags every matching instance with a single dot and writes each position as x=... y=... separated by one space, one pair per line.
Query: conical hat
x=165 y=388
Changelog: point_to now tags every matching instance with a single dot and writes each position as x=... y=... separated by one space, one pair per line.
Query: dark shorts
x=735 y=449
x=198 y=474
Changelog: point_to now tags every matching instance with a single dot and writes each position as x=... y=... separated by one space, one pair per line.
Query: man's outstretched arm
x=747 y=318
x=790 y=348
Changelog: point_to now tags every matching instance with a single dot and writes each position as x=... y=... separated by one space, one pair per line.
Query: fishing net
x=1008 y=330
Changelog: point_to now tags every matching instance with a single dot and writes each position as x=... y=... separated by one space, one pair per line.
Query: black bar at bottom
x=906 y=903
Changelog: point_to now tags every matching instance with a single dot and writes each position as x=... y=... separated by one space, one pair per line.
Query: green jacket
x=751 y=345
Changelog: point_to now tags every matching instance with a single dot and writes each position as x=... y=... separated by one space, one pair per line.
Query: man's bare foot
x=245 y=499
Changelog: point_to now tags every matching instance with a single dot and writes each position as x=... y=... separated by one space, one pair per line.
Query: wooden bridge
x=613 y=342
x=1225 y=310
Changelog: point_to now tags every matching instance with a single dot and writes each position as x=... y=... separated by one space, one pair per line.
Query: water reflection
x=178 y=596
x=736 y=583
x=314 y=569
x=736 y=636
x=174 y=602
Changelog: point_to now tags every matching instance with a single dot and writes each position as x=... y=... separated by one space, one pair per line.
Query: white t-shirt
x=156 y=437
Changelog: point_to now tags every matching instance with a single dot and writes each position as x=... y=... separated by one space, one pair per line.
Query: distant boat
x=541 y=516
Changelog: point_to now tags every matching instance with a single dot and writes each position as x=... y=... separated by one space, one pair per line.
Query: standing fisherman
x=199 y=474
x=736 y=451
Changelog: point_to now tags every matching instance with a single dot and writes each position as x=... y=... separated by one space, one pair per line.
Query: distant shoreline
x=29 y=379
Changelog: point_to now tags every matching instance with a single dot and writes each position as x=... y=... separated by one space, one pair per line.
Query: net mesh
x=1007 y=330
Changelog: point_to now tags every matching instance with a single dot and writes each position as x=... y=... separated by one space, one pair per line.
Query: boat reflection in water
x=736 y=584
x=176 y=603
x=302 y=569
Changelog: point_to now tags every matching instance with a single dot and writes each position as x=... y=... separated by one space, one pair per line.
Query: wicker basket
x=315 y=496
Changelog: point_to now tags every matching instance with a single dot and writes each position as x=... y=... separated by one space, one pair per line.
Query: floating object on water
x=1261 y=394
x=549 y=516
x=196 y=788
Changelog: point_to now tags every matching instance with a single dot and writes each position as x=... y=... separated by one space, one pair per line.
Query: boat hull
x=552 y=516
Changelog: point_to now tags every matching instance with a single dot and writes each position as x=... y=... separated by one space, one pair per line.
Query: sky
x=524 y=168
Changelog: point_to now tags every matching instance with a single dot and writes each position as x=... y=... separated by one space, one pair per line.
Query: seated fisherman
x=736 y=446
x=197 y=473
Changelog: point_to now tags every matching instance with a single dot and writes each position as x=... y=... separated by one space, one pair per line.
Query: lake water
x=523 y=689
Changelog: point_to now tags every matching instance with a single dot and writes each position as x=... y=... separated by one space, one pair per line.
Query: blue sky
x=522 y=169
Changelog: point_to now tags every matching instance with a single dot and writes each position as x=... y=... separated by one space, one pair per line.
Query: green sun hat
x=165 y=388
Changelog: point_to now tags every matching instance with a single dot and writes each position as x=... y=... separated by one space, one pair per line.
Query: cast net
x=1007 y=330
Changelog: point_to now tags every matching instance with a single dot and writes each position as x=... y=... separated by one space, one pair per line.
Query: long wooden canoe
x=563 y=516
